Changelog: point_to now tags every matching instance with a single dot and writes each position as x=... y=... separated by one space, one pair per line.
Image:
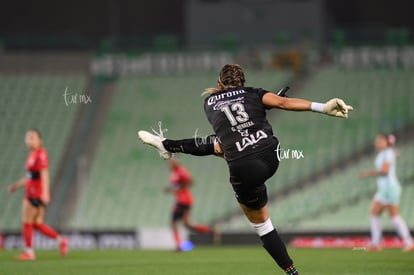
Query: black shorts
x=179 y=211
x=249 y=174
x=36 y=202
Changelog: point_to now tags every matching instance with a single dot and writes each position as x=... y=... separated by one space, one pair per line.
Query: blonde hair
x=231 y=76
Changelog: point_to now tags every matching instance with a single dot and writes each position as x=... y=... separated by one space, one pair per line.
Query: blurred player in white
x=388 y=194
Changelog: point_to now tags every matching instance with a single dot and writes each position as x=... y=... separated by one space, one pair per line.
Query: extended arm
x=17 y=185
x=293 y=104
x=376 y=173
x=334 y=107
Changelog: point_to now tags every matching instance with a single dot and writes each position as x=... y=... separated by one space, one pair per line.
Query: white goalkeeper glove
x=334 y=107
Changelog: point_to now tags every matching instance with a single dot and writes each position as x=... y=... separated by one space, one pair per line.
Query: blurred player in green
x=388 y=194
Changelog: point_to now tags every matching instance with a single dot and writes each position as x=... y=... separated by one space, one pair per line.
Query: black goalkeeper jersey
x=238 y=118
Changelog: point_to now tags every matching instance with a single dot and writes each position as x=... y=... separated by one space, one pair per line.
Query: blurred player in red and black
x=37 y=196
x=181 y=181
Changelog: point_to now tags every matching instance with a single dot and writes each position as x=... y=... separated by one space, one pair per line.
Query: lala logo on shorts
x=250 y=140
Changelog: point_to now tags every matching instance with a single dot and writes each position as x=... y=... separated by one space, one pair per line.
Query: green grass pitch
x=208 y=260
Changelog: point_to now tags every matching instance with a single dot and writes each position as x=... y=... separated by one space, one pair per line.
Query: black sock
x=277 y=249
x=192 y=146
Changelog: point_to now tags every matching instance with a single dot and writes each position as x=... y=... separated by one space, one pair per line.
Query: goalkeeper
x=245 y=139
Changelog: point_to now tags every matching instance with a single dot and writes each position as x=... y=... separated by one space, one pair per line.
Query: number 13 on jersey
x=240 y=115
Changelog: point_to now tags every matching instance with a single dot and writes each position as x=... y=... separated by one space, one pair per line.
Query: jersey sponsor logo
x=250 y=140
x=221 y=104
x=214 y=98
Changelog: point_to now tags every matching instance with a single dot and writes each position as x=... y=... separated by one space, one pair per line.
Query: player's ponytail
x=231 y=76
